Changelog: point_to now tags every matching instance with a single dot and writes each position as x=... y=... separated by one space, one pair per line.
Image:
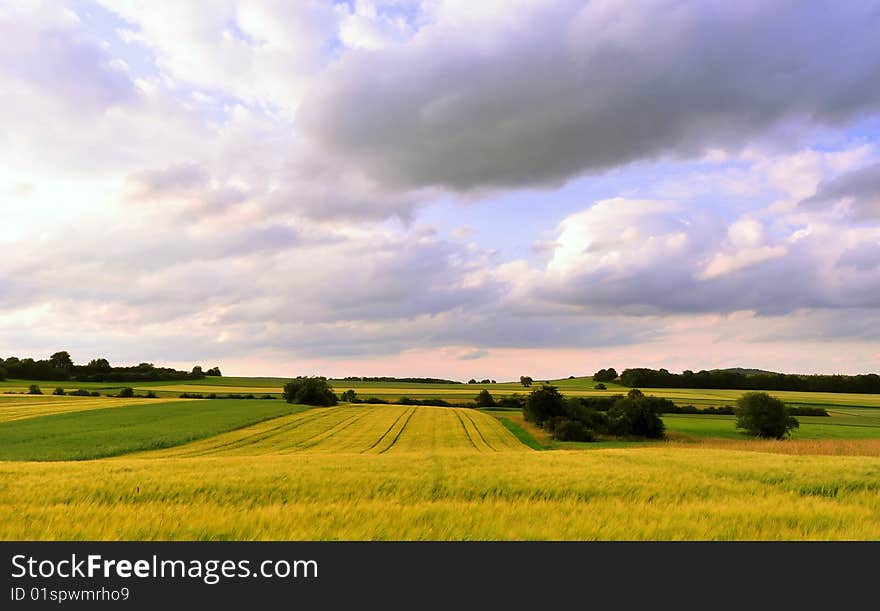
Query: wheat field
x=358 y=430
x=637 y=493
x=425 y=473
x=21 y=407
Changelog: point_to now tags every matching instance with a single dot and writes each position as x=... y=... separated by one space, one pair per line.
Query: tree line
x=662 y=378
x=393 y=379
x=61 y=367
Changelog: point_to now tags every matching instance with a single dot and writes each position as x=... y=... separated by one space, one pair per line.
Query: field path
x=359 y=429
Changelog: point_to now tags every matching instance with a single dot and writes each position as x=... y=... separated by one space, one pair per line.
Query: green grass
x=112 y=432
x=849 y=424
x=523 y=435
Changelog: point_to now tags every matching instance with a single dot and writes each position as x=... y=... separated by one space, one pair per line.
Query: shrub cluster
x=581 y=419
x=198 y=395
x=350 y=396
x=605 y=375
x=484 y=399
x=392 y=379
x=310 y=391
x=431 y=402
x=82 y=392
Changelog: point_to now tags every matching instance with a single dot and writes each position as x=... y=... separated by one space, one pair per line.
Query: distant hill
x=747 y=372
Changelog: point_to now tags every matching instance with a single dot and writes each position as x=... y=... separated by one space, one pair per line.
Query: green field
x=110 y=468
x=455 y=393
x=100 y=433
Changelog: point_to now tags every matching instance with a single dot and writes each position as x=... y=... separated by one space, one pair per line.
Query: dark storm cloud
x=542 y=94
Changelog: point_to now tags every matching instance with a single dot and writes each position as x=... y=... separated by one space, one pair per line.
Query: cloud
x=260 y=52
x=472 y=354
x=855 y=195
x=489 y=100
x=655 y=257
x=864 y=256
x=169 y=198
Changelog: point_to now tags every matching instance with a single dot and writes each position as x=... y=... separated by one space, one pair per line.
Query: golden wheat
x=359 y=429
x=635 y=493
x=31 y=406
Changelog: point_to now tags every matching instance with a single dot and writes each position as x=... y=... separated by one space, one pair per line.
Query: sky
x=442 y=188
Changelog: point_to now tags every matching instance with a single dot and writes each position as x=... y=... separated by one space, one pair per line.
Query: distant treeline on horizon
x=393 y=379
x=726 y=379
x=61 y=367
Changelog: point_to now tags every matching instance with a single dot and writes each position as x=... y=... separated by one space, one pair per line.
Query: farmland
x=167 y=468
x=458 y=393
x=633 y=493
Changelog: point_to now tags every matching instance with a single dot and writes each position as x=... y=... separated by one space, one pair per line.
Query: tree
x=348 y=396
x=485 y=399
x=600 y=386
x=526 y=381
x=100 y=365
x=33 y=389
x=543 y=404
x=472 y=381
x=764 y=416
x=214 y=371
x=61 y=360
x=310 y=391
x=197 y=372
x=58 y=391
x=126 y=392
x=637 y=415
x=2 y=372
x=605 y=375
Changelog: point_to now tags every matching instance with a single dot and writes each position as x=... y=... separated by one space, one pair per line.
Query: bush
x=485 y=399
x=408 y=401
x=605 y=375
x=151 y=394
x=348 y=396
x=764 y=416
x=58 y=391
x=80 y=392
x=33 y=389
x=637 y=415
x=191 y=395
x=543 y=404
x=126 y=392
x=269 y=397
x=570 y=430
x=577 y=410
x=94 y=393
x=600 y=386
x=310 y=391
